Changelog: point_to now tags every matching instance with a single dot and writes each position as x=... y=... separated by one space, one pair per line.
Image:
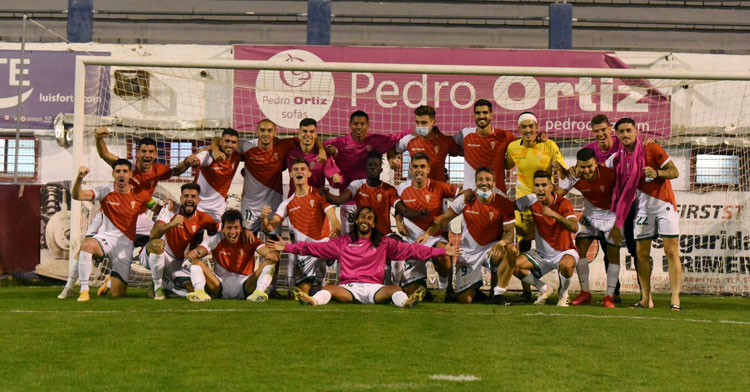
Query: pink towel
x=629 y=169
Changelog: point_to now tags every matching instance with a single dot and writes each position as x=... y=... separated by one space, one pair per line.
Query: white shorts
x=232 y=285
x=363 y=293
x=119 y=250
x=596 y=228
x=347 y=212
x=173 y=268
x=309 y=268
x=656 y=221
x=469 y=272
x=251 y=218
x=544 y=265
x=415 y=271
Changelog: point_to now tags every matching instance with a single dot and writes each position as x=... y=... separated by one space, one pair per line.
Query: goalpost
x=701 y=118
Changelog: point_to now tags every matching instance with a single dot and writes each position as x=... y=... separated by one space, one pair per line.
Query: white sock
x=322 y=297
x=531 y=279
x=564 y=285
x=497 y=290
x=442 y=282
x=265 y=278
x=613 y=275
x=84 y=269
x=582 y=268
x=397 y=271
x=290 y=270
x=398 y=298
x=72 y=274
x=197 y=277
x=156 y=263
x=109 y=284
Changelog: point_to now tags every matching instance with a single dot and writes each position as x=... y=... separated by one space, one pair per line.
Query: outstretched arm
x=81 y=194
x=101 y=146
x=403 y=251
x=407 y=212
x=438 y=225
x=325 y=250
x=339 y=199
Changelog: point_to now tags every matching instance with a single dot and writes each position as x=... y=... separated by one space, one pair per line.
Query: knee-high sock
x=442 y=282
x=397 y=270
x=84 y=269
x=72 y=274
x=564 y=285
x=290 y=271
x=582 y=268
x=322 y=297
x=398 y=298
x=266 y=275
x=156 y=263
x=197 y=277
x=531 y=279
x=613 y=276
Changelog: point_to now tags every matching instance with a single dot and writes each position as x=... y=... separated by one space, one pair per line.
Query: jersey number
x=641 y=220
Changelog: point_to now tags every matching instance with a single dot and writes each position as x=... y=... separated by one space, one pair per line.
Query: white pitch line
x=612 y=316
x=459 y=378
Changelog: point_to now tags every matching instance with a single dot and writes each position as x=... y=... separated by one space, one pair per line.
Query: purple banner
x=48 y=86
x=564 y=106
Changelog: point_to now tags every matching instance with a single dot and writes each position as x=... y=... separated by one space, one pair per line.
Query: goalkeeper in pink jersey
x=362 y=255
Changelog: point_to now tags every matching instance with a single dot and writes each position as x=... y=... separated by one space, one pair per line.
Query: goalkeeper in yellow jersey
x=528 y=155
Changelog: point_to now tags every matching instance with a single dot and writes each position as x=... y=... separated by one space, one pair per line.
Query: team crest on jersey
x=379 y=197
x=602 y=187
x=194 y=227
x=132 y=204
x=312 y=203
x=437 y=148
x=492 y=145
x=242 y=252
x=427 y=197
x=275 y=156
x=492 y=214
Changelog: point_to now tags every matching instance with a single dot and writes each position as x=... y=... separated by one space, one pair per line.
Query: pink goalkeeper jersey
x=352 y=154
x=359 y=261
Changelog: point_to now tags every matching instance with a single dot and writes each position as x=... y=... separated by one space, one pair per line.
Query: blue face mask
x=423 y=131
x=484 y=194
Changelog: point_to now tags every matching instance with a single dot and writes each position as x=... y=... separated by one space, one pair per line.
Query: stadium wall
x=55 y=162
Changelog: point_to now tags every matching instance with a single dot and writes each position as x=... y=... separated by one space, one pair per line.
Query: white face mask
x=423 y=131
x=484 y=194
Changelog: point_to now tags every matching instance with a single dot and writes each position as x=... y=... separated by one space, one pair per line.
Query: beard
x=363 y=232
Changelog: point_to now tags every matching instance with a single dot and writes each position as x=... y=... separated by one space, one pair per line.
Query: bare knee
x=90 y=245
x=155 y=246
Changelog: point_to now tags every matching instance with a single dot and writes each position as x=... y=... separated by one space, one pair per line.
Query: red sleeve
x=166 y=172
x=449 y=190
x=510 y=212
x=566 y=208
x=393 y=197
x=210 y=224
x=323 y=201
x=657 y=153
x=453 y=148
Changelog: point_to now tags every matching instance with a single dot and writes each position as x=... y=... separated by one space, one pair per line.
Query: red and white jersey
x=263 y=173
x=178 y=238
x=483 y=223
x=484 y=151
x=119 y=211
x=238 y=258
x=320 y=172
x=307 y=216
x=147 y=181
x=551 y=236
x=597 y=194
x=436 y=149
x=660 y=189
x=380 y=198
x=215 y=178
x=430 y=197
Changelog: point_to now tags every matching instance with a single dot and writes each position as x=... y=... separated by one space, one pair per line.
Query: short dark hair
x=190 y=185
x=420 y=155
x=308 y=121
x=483 y=102
x=147 y=141
x=485 y=169
x=624 y=120
x=298 y=161
x=600 y=119
x=359 y=113
x=230 y=132
x=425 y=110
x=543 y=174
x=585 y=154
x=230 y=215
x=122 y=161
x=374 y=155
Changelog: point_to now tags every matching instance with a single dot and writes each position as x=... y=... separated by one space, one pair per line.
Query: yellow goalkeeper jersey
x=530 y=159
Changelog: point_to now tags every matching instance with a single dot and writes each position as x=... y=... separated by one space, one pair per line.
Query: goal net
x=701 y=119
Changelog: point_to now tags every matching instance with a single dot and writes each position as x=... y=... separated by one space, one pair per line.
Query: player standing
x=172 y=235
x=554 y=220
x=308 y=150
x=215 y=176
x=311 y=219
x=486 y=237
x=234 y=275
x=120 y=207
x=595 y=182
x=362 y=255
x=643 y=174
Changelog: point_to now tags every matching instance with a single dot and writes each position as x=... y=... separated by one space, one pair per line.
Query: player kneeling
x=362 y=256
x=234 y=275
x=554 y=220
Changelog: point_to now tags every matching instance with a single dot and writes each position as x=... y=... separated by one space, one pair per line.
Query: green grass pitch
x=142 y=345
